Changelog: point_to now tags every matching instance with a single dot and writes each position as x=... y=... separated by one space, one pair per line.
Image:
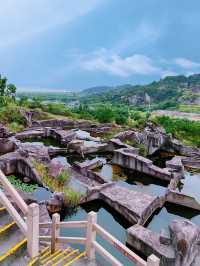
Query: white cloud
x=186 y=63
x=21 y=19
x=114 y=64
x=168 y=73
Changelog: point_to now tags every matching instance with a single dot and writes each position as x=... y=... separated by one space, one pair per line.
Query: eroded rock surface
x=186 y=241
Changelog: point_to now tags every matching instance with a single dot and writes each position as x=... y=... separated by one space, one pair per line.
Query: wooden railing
x=29 y=225
x=26 y=217
x=90 y=243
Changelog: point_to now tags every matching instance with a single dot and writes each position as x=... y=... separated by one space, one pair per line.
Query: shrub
x=185 y=130
x=104 y=114
x=72 y=198
x=63 y=177
x=20 y=185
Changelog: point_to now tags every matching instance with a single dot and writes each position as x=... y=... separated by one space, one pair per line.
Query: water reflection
x=109 y=220
x=162 y=218
x=190 y=185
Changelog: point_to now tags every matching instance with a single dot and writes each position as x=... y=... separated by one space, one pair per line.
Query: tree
x=7 y=92
x=105 y=114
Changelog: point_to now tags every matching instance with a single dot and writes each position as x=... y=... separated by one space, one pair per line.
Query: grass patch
x=72 y=198
x=140 y=146
x=189 y=108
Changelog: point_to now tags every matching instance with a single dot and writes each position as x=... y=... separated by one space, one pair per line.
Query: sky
x=72 y=45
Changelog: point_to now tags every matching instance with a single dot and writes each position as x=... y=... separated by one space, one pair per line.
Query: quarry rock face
x=185 y=238
x=36 y=151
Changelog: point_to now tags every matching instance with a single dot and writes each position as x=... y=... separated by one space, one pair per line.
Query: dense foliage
x=185 y=130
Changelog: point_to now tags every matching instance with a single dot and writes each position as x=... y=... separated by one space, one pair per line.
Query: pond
x=163 y=217
x=46 y=141
x=190 y=185
x=109 y=220
x=133 y=180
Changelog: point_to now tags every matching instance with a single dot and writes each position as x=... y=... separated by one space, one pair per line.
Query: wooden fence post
x=33 y=230
x=153 y=261
x=55 y=232
x=90 y=235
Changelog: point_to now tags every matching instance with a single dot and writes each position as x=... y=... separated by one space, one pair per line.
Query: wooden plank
x=104 y=253
x=119 y=246
x=13 y=193
x=75 y=240
x=13 y=213
x=75 y=224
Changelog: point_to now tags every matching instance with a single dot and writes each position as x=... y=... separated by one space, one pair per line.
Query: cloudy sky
x=65 y=44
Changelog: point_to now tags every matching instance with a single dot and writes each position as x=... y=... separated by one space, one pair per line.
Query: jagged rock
x=56 y=167
x=26 y=179
x=165 y=238
x=89 y=165
x=55 y=203
x=186 y=240
x=37 y=151
x=5 y=132
x=176 y=164
x=84 y=135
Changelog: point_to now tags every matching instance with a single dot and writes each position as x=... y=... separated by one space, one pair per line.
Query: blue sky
x=62 y=44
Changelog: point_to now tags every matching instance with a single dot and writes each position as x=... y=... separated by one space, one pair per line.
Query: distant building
x=73 y=104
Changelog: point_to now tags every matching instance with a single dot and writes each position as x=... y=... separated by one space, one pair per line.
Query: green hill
x=165 y=93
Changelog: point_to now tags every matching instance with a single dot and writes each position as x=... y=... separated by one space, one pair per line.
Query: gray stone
x=165 y=237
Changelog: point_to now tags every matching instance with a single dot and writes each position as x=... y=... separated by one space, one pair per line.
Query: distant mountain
x=168 y=91
x=101 y=89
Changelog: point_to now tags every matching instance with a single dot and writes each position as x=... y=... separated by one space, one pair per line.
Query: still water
x=109 y=220
x=163 y=217
x=133 y=180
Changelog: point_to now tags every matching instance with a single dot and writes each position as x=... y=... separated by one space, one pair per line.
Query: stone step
x=16 y=255
x=10 y=238
x=5 y=218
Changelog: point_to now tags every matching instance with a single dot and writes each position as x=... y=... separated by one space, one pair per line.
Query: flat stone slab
x=133 y=205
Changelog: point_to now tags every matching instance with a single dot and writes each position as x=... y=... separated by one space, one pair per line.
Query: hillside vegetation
x=110 y=107
x=166 y=93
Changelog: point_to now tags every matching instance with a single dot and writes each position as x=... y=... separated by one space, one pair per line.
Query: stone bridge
x=134 y=206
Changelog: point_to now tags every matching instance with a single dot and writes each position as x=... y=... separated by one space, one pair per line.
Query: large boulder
x=56 y=167
x=37 y=151
x=185 y=237
x=55 y=203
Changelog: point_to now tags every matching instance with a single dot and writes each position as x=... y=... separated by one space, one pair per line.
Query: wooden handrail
x=104 y=253
x=75 y=224
x=13 y=193
x=13 y=213
x=90 y=241
x=119 y=246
